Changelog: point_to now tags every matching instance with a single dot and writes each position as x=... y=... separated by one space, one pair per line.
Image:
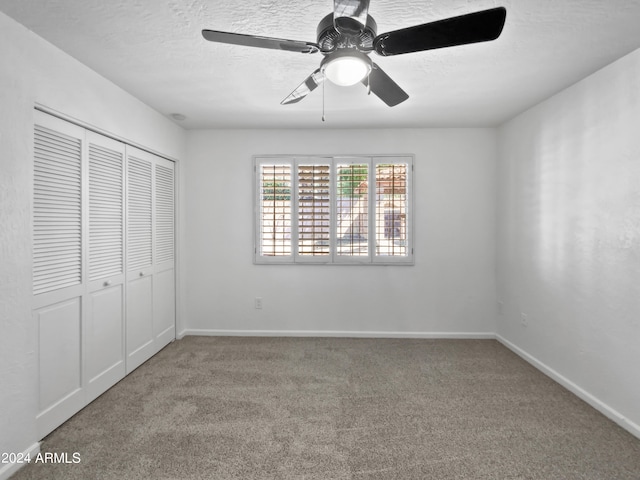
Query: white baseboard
x=335 y=333
x=596 y=403
x=10 y=468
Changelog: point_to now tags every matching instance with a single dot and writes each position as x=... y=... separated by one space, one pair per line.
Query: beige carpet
x=330 y=408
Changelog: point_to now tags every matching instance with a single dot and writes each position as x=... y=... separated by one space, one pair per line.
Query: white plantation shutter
x=353 y=209
x=164 y=213
x=391 y=206
x=140 y=213
x=57 y=211
x=274 y=219
x=105 y=212
x=314 y=209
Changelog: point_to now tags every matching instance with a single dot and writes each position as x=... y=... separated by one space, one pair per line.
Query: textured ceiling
x=154 y=50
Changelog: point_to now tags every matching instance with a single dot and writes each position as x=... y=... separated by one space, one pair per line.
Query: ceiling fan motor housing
x=329 y=39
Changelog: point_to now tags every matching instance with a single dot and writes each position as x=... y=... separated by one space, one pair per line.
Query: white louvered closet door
x=103 y=263
x=150 y=304
x=58 y=252
x=164 y=305
x=139 y=257
x=104 y=314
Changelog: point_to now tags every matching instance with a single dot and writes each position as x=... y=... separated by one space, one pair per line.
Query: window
x=322 y=210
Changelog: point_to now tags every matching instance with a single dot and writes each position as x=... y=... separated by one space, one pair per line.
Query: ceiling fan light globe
x=346 y=69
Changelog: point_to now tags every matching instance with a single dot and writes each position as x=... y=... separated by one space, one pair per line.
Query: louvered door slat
x=46 y=209
x=139 y=207
x=61 y=282
x=57 y=211
x=42 y=195
x=58 y=169
x=106 y=221
x=54 y=248
x=60 y=262
x=164 y=214
x=63 y=156
x=51 y=136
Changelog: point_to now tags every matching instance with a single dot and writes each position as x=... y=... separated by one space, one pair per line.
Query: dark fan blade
x=350 y=16
x=386 y=89
x=305 y=88
x=472 y=28
x=261 y=42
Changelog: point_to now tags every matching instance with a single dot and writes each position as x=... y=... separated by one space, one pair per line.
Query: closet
x=103 y=263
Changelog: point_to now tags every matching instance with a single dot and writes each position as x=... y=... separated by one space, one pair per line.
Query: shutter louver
x=314 y=228
x=164 y=214
x=57 y=211
x=391 y=209
x=105 y=212
x=275 y=210
x=352 y=206
x=139 y=207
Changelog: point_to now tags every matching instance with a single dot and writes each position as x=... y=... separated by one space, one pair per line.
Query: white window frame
x=372 y=258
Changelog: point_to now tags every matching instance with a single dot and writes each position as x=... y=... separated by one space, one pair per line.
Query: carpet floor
x=338 y=408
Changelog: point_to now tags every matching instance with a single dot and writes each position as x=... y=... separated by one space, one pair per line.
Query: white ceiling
x=154 y=50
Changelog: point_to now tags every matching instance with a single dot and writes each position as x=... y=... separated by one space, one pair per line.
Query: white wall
x=450 y=290
x=568 y=230
x=33 y=71
x=569 y=237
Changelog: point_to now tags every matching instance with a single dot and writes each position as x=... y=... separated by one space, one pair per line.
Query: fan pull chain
x=323 y=82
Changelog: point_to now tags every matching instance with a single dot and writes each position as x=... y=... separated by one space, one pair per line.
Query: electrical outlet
x=500 y=308
x=258 y=303
x=524 y=320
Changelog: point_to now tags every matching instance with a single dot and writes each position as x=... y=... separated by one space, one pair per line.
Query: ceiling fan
x=348 y=35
